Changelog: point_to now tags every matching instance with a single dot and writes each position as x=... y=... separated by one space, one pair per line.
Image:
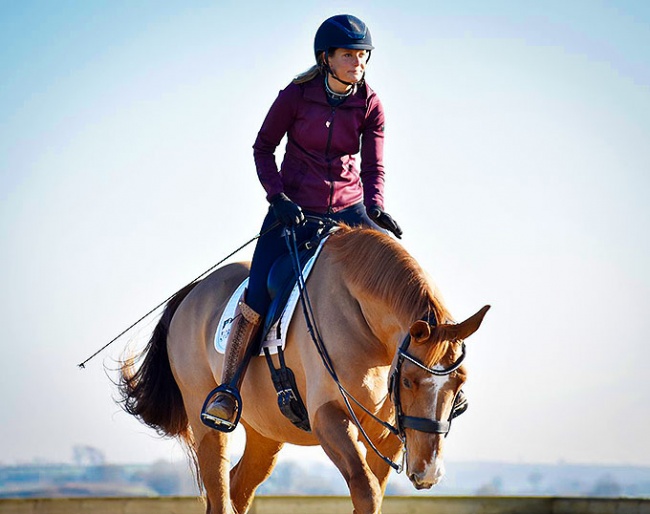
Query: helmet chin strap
x=326 y=65
x=333 y=75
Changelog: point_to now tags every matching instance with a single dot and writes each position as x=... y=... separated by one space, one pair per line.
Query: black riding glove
x=287 y=212
x=384 y=220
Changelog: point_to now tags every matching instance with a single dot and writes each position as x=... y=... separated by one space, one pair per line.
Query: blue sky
x=517 y=164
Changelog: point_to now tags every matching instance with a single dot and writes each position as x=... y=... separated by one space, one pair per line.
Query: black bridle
x=430 y=426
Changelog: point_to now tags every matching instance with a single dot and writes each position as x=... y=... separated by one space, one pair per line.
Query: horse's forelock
x=436 y=350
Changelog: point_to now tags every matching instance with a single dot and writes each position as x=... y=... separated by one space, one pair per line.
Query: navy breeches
x=271 y=245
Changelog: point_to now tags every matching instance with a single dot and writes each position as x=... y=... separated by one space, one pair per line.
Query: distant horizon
x=319 y=461
x=162 y=478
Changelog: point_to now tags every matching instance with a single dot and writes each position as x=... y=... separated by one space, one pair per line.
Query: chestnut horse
x=380 y=320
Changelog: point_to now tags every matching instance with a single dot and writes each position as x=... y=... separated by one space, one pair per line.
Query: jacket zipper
x=329 y=124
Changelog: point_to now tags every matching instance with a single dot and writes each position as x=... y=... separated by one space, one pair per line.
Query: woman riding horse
x=391 y=345
x=329 y=115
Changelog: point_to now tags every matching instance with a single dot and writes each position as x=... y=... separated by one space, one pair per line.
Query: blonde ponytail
x=308 y=75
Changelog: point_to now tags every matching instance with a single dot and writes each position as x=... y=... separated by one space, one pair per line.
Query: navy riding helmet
x=342 y=31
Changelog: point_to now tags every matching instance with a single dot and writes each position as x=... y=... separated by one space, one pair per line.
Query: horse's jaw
x=430 y=474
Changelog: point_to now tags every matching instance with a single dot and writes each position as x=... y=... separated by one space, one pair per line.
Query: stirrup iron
x=222 y=425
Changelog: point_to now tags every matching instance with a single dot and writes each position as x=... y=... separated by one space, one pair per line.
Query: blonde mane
x=379 y=265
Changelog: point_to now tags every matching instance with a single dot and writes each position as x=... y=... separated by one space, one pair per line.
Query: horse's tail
x=149 y=392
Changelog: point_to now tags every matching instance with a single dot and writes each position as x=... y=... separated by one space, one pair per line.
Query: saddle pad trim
x=225 y=322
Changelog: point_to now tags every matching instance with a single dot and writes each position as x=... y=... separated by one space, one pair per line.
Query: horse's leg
x=339 y=438
x=379 y=467
x=255 y=465
x=214 y=465
x=210 y=446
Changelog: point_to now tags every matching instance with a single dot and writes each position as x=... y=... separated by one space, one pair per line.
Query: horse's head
x=427 y=377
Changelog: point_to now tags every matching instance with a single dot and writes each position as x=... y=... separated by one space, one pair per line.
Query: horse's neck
x=374 y=323
x=383 y=322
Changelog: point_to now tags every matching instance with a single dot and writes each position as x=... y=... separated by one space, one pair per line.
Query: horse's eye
x=406 y=383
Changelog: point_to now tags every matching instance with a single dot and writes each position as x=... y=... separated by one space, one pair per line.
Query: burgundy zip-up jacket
x=320 y=170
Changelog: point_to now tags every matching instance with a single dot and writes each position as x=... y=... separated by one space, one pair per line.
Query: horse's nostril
x=417 y=483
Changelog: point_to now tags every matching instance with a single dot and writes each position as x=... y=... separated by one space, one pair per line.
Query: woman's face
x=348 y=65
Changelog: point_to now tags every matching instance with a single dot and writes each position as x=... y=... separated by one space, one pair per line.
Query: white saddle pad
x=276 y=336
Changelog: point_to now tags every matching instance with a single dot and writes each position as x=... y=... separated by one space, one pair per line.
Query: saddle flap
x=279 y=314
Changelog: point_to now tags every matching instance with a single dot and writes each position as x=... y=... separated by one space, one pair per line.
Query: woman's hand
x=384 y=220
x=287 y=212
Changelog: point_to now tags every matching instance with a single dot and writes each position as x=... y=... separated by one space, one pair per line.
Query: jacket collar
x=314 y=91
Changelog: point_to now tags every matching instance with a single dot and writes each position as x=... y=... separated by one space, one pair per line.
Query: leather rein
x=427 y=425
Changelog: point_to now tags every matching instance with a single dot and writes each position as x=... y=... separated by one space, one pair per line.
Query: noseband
x=431 y=426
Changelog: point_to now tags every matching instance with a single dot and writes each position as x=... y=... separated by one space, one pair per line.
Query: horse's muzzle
x=420 y=484
x=429 y=476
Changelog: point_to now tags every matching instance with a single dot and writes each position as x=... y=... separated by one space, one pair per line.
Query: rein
x=426 y=425
x=290 y=237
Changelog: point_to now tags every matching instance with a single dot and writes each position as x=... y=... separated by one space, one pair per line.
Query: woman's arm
x=279 y=119
x=372 y=155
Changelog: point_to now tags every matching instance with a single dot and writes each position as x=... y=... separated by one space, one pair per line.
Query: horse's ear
x=420 y=331
x=466 y=328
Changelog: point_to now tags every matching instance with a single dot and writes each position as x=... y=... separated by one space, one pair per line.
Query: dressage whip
x=82 y=365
